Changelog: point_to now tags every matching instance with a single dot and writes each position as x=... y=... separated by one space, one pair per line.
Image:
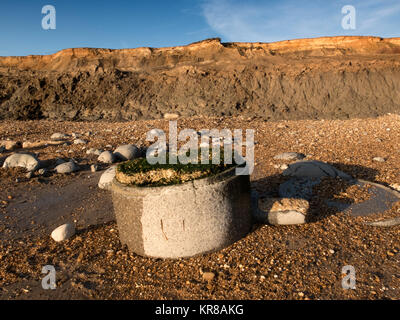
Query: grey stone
x=127 y=152
x=59 y=136
x=106 y=157
x=314 y=169
x=94 y=151
x=289 y=156
x=183 y=220
x=28 y=161
x=63 y=232
x=107 y=178
x=2 y=149
x=80 y=141
x=67 y=167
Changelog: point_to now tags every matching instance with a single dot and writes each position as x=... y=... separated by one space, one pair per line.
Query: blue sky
x=159 y=23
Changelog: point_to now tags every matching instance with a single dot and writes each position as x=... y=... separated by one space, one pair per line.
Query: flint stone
x=67 y=167
x=63 y=232
x=106 y=157
x=28 y=161
x=107 y=178
x=126 y=152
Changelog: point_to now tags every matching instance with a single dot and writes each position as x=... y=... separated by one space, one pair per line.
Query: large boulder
x=28 y=161
x=127 y=152
x=314 y=169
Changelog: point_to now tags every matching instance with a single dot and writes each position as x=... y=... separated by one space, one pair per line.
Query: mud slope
x=337 y=77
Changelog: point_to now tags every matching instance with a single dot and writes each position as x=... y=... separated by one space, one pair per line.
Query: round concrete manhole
x=186 y=219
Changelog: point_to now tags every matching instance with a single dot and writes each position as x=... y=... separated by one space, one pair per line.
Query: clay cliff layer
x=338 y=77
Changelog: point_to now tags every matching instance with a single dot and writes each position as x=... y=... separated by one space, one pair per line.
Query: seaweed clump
x=140 y=172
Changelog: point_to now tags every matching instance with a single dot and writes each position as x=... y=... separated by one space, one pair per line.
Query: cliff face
x=336 y=77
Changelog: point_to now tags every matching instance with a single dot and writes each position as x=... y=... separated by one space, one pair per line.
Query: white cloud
x=267 y=21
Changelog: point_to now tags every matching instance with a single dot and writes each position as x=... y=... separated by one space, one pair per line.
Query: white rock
x=27 y=161
x=63 y=232
x=126 y=152
x=80 y=141
x=66 y=167
x=286 y=217
x=288 y=156
x=106 y=178
x=59 y=136
x=379 y=159
x=93 y=168
x=106 y=157
x=282 y=211
x=314 y=169
x=94 y=151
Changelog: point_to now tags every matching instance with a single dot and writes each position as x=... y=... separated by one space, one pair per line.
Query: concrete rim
x=196 y=183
